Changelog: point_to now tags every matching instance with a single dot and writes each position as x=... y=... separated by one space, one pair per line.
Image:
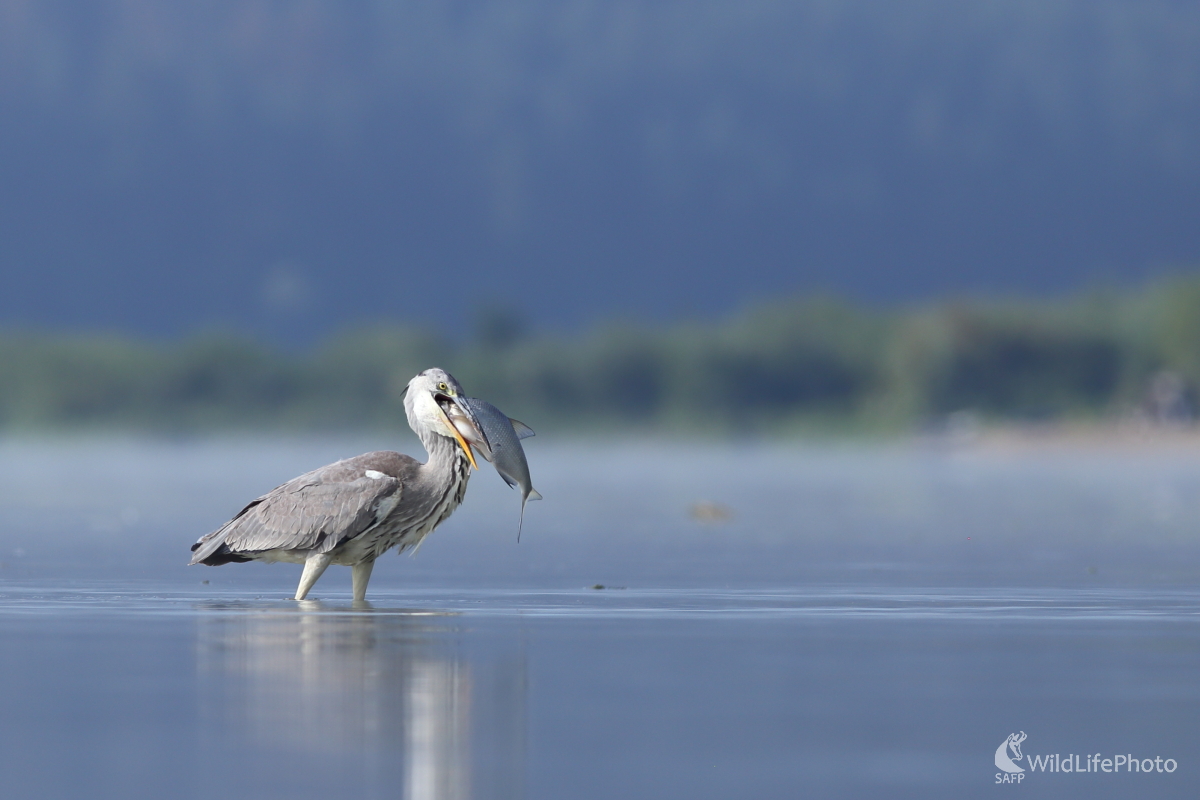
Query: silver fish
x=498 y=439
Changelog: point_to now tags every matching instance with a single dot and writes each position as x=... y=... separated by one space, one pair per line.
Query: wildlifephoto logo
x=1009 y=753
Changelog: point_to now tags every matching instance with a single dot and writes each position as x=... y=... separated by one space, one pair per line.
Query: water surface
x=865 y=622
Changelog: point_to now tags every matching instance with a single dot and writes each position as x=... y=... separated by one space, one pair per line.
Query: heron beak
x=454 y=431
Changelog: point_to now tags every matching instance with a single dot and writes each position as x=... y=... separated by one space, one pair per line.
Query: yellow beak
x=461 y=441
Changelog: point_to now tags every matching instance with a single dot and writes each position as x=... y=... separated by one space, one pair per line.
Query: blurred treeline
x=808 y=363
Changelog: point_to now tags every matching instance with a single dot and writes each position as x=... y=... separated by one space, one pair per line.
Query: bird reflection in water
x=438 y=730
x=376 y=701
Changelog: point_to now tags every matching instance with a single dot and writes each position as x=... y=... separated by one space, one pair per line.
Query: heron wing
x=316 y=511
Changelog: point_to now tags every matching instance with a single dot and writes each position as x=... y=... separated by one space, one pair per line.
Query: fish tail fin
x=534 y=494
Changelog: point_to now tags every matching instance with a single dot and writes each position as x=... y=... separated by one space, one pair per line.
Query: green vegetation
x=815 y=363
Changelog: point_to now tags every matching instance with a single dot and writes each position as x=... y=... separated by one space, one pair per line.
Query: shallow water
x=838 y=635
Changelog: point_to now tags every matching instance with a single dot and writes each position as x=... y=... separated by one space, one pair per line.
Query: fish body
x=498 y=439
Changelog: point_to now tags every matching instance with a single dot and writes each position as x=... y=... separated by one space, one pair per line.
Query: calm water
x=857 y=622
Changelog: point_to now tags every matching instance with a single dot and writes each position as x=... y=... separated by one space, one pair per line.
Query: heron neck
x=445 y=455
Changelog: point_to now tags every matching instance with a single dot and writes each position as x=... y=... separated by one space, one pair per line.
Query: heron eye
x=442 y=387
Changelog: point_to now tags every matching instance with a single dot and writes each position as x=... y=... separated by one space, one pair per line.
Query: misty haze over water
x=290 y=169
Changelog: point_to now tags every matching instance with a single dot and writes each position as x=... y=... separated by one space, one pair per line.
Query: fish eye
x=442 y=387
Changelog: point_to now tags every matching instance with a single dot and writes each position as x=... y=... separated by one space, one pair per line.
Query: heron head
x=429 y=400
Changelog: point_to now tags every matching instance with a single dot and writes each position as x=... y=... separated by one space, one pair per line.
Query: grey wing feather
x=316 y=511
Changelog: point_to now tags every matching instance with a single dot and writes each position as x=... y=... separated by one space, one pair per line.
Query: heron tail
x=212 y=552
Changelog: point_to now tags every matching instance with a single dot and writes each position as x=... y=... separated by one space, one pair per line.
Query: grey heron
x=353 y=511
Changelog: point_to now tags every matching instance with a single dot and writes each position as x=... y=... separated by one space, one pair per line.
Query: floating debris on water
x=706 y=511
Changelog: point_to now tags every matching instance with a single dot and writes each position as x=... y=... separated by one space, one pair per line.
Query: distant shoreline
x=1130 y=435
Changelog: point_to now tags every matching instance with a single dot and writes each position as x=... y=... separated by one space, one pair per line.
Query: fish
x=498 y=437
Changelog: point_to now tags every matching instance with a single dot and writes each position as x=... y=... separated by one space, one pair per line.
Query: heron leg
x=314 y=565
x=360 y=577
